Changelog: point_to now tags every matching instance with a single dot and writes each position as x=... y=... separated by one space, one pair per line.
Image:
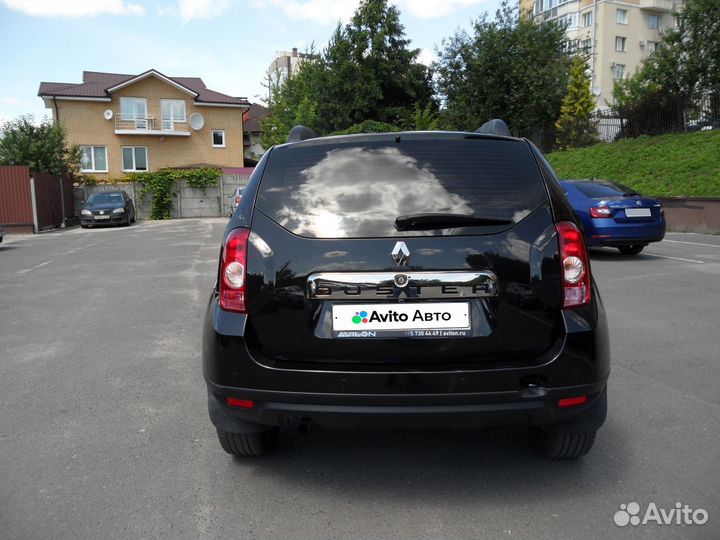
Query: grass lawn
x=678 y=164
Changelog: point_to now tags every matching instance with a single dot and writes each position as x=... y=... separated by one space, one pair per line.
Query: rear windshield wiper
x=424 y=222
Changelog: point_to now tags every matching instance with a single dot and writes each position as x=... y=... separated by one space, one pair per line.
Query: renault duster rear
x=413 y=280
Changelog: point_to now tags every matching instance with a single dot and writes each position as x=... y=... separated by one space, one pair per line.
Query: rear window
x=356 y=190
x=598 y=190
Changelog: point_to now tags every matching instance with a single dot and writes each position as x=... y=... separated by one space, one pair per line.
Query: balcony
x=661 y=6
x=149 y=124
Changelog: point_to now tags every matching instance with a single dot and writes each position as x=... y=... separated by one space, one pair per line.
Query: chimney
x=294 y=52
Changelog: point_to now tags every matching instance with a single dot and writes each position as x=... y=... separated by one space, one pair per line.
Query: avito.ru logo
x=629 y=514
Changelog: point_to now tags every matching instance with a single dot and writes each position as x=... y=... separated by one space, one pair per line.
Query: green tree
x=425 y=119
x=509 y=68
x=42 y=147
x=367 y=72
x=368 y=126
x=385 y=61
x=576 y=126
x=290 y=102
x=686 y=65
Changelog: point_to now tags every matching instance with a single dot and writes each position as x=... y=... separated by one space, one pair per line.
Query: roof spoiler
x=494 y=127
x=301 y=133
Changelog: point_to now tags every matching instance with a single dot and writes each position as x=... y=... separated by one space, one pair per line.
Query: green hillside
x=678 y=164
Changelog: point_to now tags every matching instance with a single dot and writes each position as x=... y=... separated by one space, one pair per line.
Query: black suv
x=405 y=280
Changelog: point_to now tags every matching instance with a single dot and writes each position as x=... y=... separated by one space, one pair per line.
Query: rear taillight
x=575 y=267
x=232 y=271
x=572 y=401
x=600 y=212
x=241 y=403
x=237 y=200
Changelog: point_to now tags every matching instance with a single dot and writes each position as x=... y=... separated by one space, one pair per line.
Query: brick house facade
x=127 y=123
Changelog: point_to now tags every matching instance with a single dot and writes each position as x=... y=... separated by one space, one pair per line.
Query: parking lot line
x=26 y=270
x=691 y=243
x=674 y=258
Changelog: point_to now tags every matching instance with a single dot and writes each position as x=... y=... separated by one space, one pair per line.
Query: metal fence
x=34 y=202
x=658 y=117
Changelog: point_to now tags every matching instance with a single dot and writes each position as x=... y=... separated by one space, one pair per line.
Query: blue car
x=615 y=215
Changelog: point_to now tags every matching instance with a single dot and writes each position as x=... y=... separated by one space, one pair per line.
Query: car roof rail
x=494 y=127
x=301 y=133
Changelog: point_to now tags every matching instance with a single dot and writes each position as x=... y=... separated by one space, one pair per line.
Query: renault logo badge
x=400 y=254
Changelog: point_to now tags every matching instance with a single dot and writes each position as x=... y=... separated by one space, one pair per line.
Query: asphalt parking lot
x=104 y=431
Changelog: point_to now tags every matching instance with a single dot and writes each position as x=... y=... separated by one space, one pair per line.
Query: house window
x=134 y=110
x=587 y=19
x=620 y=43
x=134 y=158
x=653 y=22
x=618 y=71
x=172 y=111
x=93 y=159
x=651 y=47
x=586 y=44
x=218 y=138
x=622 y=16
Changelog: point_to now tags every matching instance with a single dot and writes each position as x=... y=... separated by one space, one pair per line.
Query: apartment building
x=135 y=123
x=286 y=64
x=618 y=34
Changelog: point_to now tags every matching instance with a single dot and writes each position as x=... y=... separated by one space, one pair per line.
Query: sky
x=228 y=43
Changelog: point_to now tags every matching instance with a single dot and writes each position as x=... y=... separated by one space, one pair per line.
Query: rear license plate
x=637 y=212
x=411 y=320
x=102 y=217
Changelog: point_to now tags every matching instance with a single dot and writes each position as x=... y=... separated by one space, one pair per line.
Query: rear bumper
x=407 y=412
x=613 y=234
x=455 y=398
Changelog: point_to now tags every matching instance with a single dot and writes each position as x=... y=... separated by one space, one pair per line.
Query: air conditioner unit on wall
x=642 y=42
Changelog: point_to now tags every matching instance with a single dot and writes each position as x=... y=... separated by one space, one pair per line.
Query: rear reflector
x=232 y=271
x=241 y=403
x=572 y=401
x=575 y=267
x=600 y=212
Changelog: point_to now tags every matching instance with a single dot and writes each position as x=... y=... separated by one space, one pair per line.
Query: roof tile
x=95 y=84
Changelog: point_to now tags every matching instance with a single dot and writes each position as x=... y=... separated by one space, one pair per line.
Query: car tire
x=559 y=445
x=247 y=444
x=633 y=249
x=84 y=226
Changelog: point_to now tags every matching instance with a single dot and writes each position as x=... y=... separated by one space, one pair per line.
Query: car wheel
x=247 y=444
x=633 y=249
x=84 y=226
x=558 y=445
